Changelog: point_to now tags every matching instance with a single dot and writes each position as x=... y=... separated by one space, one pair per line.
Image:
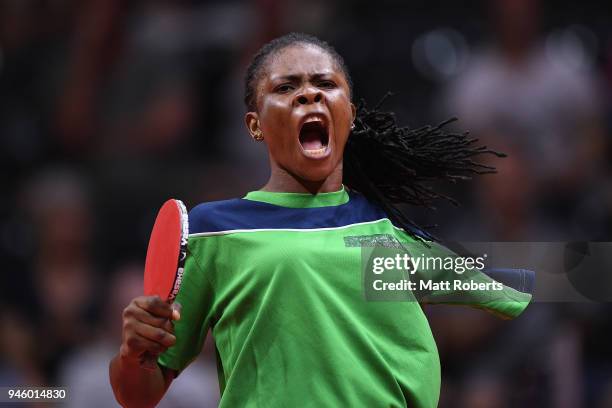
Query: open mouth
x=314 y=137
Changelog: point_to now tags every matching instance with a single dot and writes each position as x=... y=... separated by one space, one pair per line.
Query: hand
x=147 y=330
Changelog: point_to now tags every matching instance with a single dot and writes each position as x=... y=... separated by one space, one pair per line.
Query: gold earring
x=258 y=136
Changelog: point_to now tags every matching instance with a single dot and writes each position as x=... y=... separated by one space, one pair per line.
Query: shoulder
x=373 y=210
x=218 y=215
x=243 y=214
x=361 y=207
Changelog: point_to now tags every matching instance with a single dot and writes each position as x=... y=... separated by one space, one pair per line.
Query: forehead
x=300 y=59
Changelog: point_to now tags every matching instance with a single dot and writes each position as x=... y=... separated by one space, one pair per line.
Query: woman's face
x=304 y=111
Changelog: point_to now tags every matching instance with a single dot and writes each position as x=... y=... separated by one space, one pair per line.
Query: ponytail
x=392 y=165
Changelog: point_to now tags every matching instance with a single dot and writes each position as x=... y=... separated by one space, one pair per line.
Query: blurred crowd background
x=109 y=107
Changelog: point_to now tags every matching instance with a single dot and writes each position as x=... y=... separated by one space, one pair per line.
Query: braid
x=392 y=165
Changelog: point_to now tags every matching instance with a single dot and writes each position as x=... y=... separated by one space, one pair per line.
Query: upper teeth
x=313 y=119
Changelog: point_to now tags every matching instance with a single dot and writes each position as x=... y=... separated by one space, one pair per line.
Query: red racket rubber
x=166 y=255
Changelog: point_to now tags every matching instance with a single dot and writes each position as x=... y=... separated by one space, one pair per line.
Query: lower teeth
x=316 y=151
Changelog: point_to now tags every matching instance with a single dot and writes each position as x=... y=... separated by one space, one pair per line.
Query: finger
x=156 y=334
x=145 y=317
x=133 y=319
x=176 y=311
x=168 y=326
x=154 y=305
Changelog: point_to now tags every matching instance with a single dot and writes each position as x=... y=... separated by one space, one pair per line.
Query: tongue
x=311 y=140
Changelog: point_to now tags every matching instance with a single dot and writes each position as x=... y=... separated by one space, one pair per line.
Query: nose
x=308 y=95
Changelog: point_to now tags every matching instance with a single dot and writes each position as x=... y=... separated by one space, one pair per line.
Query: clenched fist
x=148 y=329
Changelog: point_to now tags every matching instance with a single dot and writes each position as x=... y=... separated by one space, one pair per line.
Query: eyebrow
x=294 y=77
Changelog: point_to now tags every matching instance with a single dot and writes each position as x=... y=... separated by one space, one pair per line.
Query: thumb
x=176 y=311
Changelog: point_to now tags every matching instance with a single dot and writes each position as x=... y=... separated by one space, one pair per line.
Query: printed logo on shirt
x=372 y=241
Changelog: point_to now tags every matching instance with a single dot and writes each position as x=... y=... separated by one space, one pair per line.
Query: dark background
x=109 y=107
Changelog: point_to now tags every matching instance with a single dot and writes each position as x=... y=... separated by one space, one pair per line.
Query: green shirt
x=278 y=278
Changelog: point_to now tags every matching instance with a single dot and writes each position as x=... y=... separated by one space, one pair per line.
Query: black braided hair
x=389 y=164
x=393 y=165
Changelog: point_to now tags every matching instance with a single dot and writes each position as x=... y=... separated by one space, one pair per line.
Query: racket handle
x=148 y=361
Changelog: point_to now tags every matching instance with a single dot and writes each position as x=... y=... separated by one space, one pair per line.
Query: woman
x=277 y=274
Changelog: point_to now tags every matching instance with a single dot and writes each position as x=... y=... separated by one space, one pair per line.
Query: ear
x=251 y=119
x=353 y=112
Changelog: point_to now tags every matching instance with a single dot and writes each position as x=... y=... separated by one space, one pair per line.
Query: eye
x=327 y=84
x=284 y=88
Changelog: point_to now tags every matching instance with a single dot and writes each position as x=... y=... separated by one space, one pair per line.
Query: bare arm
x=147 y=328
x=135 y=386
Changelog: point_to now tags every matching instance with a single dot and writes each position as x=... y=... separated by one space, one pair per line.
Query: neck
x=282 y=181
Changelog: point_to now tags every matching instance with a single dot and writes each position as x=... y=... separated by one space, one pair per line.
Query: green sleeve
x=196 y=299
x=503 y=301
